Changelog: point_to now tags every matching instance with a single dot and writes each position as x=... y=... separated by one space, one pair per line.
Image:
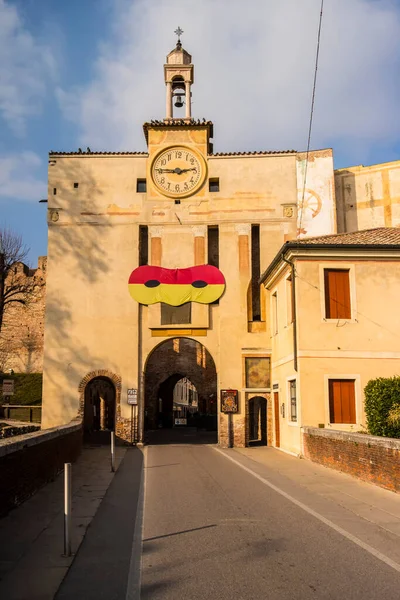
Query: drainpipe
x=291 y=264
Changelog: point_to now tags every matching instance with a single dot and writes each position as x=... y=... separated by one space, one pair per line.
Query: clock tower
x=178 y=147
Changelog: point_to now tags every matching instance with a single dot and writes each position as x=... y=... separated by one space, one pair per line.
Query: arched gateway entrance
x=180 y=363
x=99 y=406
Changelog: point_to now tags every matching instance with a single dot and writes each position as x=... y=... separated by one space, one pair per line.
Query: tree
x=14 y=287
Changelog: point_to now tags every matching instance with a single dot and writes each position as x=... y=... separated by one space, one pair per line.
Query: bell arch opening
x=180 y=386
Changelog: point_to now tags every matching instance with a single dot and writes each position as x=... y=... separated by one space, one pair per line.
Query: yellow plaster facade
x=360 y=348
x=368 y=196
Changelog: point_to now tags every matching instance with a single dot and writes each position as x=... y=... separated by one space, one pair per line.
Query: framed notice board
x=229 y=401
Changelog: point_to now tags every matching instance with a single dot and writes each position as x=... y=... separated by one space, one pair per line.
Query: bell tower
x=179 y=76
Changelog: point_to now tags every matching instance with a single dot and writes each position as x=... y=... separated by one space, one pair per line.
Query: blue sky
x=89 y=73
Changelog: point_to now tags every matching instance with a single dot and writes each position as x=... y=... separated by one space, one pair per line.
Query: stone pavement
x=370 y=502
x=32 y=564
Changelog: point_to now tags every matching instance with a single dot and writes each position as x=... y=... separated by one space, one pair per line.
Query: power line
x=311 y=113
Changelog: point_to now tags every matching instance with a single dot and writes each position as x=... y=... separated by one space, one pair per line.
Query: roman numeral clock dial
x=178 y=172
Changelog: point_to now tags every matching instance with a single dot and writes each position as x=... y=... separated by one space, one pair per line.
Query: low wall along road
x=371 y=458
x=29 y=461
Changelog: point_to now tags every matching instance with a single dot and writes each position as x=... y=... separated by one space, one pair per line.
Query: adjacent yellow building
x=334 y=303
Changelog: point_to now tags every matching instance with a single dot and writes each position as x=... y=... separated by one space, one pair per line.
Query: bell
x=179 y=102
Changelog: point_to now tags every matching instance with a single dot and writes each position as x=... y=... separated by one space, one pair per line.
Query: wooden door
x=276 y=413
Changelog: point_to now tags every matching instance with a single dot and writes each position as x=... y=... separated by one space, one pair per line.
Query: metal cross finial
x=178 y=32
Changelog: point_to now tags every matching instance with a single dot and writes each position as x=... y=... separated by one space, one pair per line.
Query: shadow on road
x=184 y=435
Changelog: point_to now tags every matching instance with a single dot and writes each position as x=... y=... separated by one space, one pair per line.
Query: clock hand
x=166 y=170
x=185 y=170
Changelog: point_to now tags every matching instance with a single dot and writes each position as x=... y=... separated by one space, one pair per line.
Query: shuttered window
x=342 y=402
x=337 y=294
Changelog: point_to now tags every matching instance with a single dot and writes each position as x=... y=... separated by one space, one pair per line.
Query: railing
x=20 y=412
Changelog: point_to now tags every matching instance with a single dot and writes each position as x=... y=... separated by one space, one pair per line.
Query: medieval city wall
x=21 y=340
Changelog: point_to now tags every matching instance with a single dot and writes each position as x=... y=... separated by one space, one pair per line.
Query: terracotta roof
x=255 y=153
x=90 y=153
x=179 y=123
x=385 y=238
x=379 y=236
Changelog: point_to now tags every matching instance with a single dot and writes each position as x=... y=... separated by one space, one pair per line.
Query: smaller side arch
x=258 y=416
x=116 y=380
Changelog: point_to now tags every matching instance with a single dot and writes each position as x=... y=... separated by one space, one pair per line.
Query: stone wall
x=27 y=462
x=373 y=459
x=21 y=340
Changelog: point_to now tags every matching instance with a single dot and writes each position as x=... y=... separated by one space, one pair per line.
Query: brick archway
x=174 y=359
x=115 y=379
x=251 y=397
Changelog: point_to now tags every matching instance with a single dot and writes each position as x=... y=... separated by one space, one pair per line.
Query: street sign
x=8 y=387
x=132 y=396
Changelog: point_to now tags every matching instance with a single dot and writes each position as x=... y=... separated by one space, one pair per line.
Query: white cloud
x=19 y=177
x=25 y=68
x=254 y=64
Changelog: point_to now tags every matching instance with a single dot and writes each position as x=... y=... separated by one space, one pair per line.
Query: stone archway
x=99 y=405
x=258 y=420
x=115 y=380
x=169 y=362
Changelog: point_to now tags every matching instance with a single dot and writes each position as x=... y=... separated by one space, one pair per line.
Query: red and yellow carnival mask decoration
x=203 y=284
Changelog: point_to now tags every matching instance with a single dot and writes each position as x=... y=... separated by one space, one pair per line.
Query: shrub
x=382 y=399
x=27 y=387
x=394 y=415
x=6 y=432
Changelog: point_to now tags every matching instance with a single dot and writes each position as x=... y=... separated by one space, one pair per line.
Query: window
x=141 y=186
x=275 y=313
x=213 y=245
x=337 y=294
x=176 y=315
x=76 y=185
x=289 y=300
x=342 y=401
x=54 y=191
x=213 y=184
x=293 y=400
x=143 y=245
x=255 y=273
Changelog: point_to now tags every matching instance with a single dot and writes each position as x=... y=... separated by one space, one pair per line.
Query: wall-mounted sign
x=8 y=387
x=203 y=284
x=132 y=396
x=229 y=401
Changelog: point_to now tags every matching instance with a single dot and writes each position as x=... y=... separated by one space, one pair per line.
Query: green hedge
x=27 y=387
x=381 y=396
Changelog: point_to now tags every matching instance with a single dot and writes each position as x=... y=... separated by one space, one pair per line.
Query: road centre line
x=382 y=557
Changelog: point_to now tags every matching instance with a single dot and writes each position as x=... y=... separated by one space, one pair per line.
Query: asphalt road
x=213 y=531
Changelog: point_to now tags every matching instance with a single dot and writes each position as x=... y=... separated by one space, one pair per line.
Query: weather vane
x=178 y=32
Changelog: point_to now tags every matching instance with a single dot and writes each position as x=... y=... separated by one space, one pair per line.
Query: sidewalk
x=373 y=504
x=31 y=536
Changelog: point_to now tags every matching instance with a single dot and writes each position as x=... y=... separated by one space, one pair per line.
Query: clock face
x=178 y=172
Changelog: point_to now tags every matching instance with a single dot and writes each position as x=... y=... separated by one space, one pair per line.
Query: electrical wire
x=311 y=114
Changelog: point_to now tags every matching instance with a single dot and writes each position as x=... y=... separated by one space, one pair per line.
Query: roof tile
x=378 y=236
